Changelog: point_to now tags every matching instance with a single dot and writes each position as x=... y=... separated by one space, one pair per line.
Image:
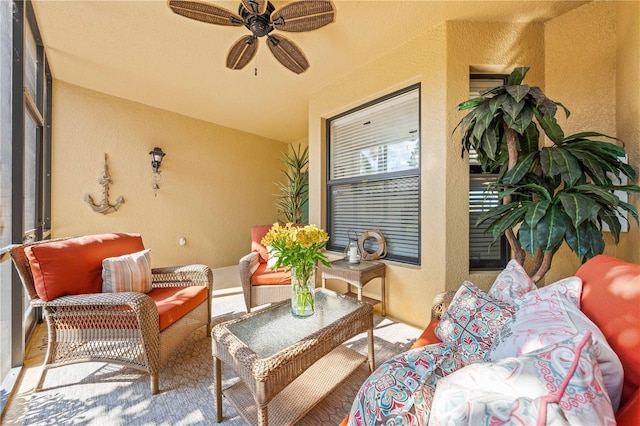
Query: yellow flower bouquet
x=298 y=248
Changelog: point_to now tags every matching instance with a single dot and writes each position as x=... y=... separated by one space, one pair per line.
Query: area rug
x=105 y=394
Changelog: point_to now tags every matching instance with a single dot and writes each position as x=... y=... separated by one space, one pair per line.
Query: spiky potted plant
x=550 y=194
x=294 y=192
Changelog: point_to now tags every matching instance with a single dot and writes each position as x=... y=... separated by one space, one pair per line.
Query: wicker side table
x=357 y=275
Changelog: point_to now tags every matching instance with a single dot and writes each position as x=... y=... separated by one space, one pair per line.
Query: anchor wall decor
x=104 y=207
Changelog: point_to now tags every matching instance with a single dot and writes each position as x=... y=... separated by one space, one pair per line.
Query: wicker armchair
x=441 y=303
x=259 y=285
x=120 y=328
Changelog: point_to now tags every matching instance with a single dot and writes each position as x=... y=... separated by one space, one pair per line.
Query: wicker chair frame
x=118 y=328
x=441 y=303
x=256 y=295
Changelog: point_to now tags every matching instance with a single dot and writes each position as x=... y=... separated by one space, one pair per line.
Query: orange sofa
x=611 y=299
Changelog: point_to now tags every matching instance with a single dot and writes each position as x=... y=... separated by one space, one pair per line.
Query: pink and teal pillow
x=548 y=316
x=388 y=396
x=471 y=322
x=512 y=283
x=559 y=384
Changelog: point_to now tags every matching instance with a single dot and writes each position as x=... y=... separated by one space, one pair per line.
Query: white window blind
x=482 y=253
x=374 y=174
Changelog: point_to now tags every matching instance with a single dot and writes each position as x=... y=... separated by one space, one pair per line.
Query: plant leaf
x=584 y=135
x=512 y=107
x=516 y=174
x=547 y=107
x=498 y=210
x=567 y=113
x=601 y=195
x=471 y=103
x=579 y=207
x=611 y=219
x=517 y=92
x=591 y=165
x=585 y=240
x=551 y=228
x=529 y=139
x=550 y=126
x=496 y=102
x=509 y=220
x=517 y=75
x=490 y=143
x=569 y=166
x=631 y=209
x=535 y=212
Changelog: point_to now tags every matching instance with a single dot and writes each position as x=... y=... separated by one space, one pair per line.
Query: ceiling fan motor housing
x=259 y=25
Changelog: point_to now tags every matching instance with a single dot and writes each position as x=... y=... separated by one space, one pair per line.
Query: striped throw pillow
x=130 y=272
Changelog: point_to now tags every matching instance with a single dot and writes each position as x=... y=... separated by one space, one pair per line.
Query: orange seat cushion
x=428 y=336
x=265 y=276
x=611 y=299
x=175 y=302
x=74 y=266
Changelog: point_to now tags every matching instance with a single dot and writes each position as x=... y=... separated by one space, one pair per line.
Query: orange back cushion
x=74 y=266
x=611 y=299
x=257 y=233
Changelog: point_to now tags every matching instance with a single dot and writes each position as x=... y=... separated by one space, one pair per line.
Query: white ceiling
x=141 y=51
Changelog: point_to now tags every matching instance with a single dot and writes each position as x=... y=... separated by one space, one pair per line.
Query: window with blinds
x=483 y=255
x=374 y=174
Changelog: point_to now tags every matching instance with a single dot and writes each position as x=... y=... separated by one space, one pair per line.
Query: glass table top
x=274 y=329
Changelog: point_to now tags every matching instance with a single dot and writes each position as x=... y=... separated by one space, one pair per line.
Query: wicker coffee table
x=289 y=364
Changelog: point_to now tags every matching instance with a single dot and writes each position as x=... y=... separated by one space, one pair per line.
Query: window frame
x=22 y=318
x=479 y=265
x=380 y=177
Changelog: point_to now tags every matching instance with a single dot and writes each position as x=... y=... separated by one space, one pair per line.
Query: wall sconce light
x=156 y=160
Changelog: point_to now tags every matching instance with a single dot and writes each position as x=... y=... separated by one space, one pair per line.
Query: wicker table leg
x=217 y=367
x=263 y=415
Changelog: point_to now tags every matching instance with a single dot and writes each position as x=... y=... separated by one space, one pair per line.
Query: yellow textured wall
x=628 y=106
x=592 y=68
x=440 y=59
x=216 y=183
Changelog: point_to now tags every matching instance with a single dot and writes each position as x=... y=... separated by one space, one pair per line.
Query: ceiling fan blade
x=205 y=12
x=242 y=52
x=288 y=53
x=255 y=6
x=303 y=15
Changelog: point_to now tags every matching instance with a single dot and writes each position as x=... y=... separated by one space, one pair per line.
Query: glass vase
x=303 y=296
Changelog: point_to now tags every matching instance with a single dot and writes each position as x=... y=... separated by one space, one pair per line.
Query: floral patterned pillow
x=569 y=288
x=471 y=322
x=549 y=315
x=512 y=283
x=387 y=397
x=559 y=384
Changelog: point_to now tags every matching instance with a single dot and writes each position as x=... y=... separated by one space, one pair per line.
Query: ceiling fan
x=261 y=18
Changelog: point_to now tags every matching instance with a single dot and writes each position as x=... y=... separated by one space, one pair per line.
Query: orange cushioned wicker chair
x=135 y=329
x=261 y=285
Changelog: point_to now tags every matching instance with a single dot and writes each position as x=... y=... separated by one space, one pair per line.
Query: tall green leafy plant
x=294 y=192
x=550 y=194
